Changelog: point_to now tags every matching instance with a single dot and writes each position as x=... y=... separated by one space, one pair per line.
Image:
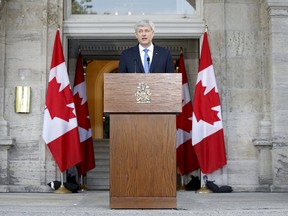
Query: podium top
x=143 y=93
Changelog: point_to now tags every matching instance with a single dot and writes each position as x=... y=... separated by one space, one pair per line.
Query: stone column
x=5 y=141
x=278 y=32
x=54 y=17
x=264 y=141
x=2 y=56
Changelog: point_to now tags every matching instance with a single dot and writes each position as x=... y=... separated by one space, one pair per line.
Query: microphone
x=134 y=65
x=148 y=60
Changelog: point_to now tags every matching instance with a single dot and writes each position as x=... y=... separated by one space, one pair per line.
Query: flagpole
x=84 y=125
x=216 y=141
x=62 y=189
x=182 y=186
x=60 y=103
x=83 y=187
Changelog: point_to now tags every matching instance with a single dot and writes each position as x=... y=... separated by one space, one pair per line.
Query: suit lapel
x=155 y=58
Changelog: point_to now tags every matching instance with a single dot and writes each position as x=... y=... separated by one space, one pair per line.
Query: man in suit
x=145 y=57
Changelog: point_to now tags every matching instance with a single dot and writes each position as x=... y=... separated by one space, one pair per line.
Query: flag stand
x=62 y=189
x=83 y=187
x=181 y=187
x=203 y=188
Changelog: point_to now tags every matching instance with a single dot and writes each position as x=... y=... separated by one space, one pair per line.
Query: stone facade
x=248 y=45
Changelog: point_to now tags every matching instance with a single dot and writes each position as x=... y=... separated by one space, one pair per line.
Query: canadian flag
x=60 y=129
x=84 y=125
x=207 y=128
x=185 y=154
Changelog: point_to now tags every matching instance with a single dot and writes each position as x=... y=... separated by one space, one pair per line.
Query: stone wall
x=29 y=38
x=250 y=61
x=235 y=40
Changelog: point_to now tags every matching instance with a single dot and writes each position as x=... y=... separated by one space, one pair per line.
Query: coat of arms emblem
x=143 y=93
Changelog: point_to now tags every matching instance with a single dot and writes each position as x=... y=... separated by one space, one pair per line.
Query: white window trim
x=120 y=26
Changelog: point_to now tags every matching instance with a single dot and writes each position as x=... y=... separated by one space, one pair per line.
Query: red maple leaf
x=184 y=119
x=203 y=104
x=82 y=112
x=57 y=101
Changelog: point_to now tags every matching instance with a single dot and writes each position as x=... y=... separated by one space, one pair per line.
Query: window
x=134 y=7
x=116 y=18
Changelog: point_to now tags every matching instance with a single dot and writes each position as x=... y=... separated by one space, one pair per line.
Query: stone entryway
x=101 y=56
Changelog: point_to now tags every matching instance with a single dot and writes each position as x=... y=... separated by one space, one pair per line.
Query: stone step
x=99 y=157
x=101 y=152
x=98 y=178
x=100 y=168
x=102 y=162
x=98 y=183
x=102 y=175
x=98 y=187
x=101 y=149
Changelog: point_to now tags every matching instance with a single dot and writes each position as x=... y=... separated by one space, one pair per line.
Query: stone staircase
x=98 y=178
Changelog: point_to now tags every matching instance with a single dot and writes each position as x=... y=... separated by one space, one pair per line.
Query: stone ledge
x=282 y=188
x=25 y=188
x=6 y=142
x=251 y=188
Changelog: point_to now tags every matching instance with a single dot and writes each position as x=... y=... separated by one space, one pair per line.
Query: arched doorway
x=94 y=73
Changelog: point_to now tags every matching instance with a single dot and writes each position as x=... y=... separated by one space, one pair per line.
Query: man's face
x=144 y=35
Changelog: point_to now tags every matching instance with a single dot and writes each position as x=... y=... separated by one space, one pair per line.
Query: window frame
x=198 y=14
x=122 y=26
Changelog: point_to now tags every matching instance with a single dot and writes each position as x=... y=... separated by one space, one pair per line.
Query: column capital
x=277 y=7
x=6 y=143
x=262 y=143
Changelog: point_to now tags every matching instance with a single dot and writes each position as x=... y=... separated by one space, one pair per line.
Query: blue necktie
x=146 y=62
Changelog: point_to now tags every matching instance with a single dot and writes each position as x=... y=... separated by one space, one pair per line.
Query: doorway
x=101 y=56
x=94 y=79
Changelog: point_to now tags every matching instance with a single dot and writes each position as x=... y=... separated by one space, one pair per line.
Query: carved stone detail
x=115 y=47
x=279 y=8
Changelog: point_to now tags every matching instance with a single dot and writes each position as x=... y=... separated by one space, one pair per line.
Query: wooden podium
x=142 y=110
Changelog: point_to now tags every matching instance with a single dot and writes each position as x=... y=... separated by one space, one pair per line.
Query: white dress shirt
x=150 y=53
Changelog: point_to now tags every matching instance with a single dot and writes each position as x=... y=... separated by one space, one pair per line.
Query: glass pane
x=134 y=7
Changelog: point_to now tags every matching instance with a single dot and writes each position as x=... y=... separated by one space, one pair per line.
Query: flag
x=84 y=125
x=207 y=129
x=60 y=129
x=185 y=154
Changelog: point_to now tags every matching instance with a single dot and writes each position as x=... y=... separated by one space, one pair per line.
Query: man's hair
x=144 y=23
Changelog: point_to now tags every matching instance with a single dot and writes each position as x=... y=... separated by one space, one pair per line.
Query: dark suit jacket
x=130 y=61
